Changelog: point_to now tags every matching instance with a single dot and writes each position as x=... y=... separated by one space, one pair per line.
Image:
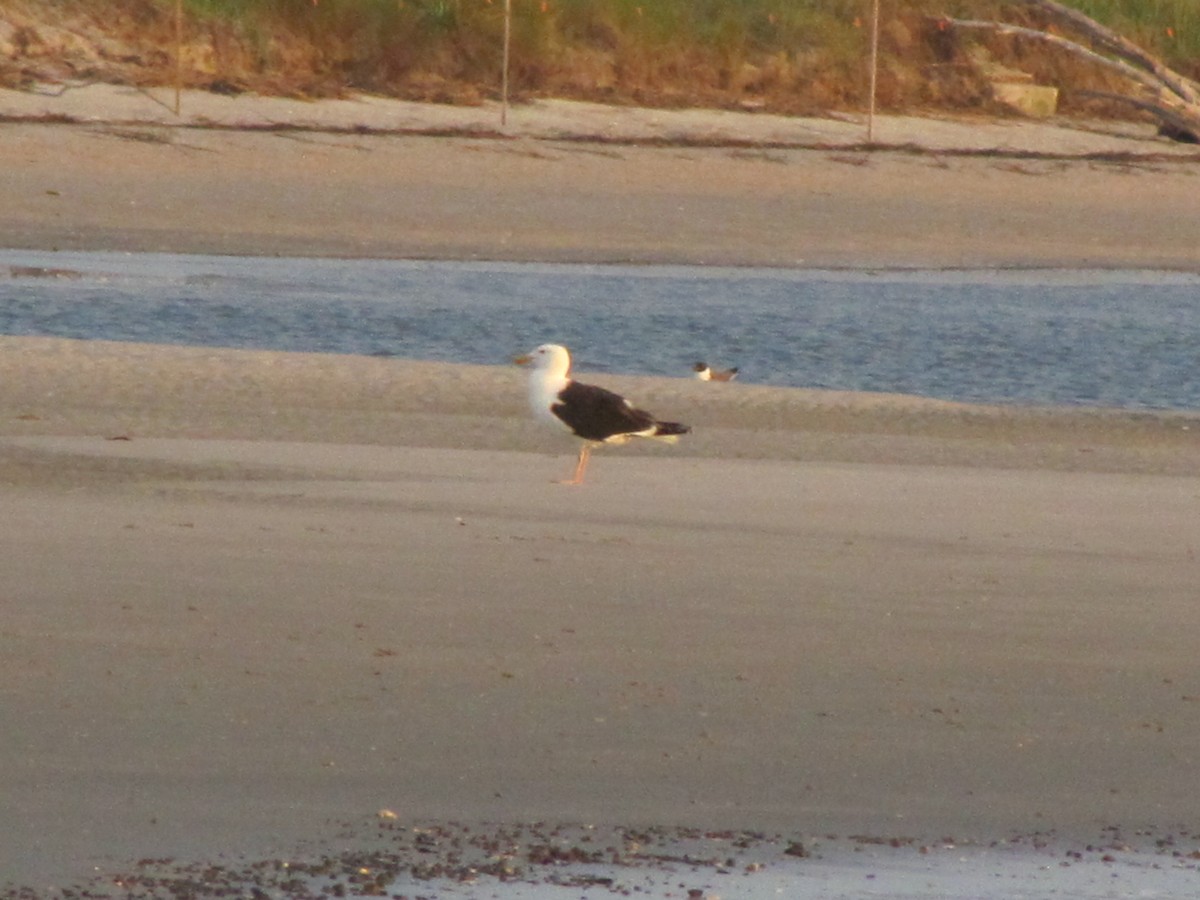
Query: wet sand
x=250 y=594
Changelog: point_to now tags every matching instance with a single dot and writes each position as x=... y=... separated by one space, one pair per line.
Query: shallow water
x=1123 y=339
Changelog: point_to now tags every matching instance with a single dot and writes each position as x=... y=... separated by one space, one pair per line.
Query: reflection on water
x=1125 y=339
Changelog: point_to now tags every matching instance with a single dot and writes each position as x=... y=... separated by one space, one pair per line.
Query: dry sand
x=245 y=593
x=578 y=182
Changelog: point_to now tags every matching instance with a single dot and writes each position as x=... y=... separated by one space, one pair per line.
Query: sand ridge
x=109 y=389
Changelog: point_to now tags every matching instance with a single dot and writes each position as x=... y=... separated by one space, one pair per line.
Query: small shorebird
x=704 y=373
x=593 y=414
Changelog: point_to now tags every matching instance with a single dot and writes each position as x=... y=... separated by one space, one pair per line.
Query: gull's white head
x=552 y=359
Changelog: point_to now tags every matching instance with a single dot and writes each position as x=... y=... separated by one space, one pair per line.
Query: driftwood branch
x=1174 y=99
x=1105 y=37
x=1172 y=124
x=1045 y=37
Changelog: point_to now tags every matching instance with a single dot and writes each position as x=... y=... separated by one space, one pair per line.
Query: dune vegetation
x=794 y=56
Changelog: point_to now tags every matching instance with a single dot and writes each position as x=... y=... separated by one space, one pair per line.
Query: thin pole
x=504 y=72
x=874 y=69
x=178 y=52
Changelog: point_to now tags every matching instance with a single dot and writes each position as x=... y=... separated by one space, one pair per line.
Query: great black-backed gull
x=593 y=414
x=704 y=373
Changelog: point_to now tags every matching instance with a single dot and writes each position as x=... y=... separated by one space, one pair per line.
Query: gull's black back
x=596 y=414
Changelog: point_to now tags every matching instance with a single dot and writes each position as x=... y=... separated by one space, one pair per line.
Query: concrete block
x=1034 y=100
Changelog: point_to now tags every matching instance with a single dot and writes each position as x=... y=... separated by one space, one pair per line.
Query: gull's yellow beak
x=523 y=360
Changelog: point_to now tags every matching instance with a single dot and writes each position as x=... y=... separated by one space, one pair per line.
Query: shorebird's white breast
x=544 y=389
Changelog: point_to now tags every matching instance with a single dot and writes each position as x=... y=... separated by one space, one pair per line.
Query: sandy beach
x=103 y=167
x=249 y=595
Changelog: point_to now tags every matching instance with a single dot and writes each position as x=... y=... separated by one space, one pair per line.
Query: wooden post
x=504 y=65
x=874 y=70
x=178 y=52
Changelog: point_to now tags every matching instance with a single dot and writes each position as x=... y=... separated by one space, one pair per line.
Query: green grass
x=1170 y=27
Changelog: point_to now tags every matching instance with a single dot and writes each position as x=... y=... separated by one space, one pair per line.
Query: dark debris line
x=414 y=862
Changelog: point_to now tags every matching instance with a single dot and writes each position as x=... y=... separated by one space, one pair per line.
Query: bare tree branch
x=1174 y=99
x=1187 y=91
x=1099 y=59
x=1182 y=127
